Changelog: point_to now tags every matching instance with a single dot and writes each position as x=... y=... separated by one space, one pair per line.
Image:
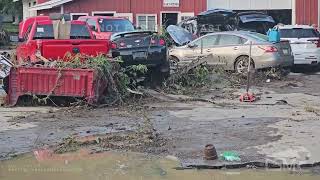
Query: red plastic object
x=80 y=83
x=247 y=97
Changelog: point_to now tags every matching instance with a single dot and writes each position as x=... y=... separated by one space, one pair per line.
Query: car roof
x=101 y=17
x=243 y=33
x=51 y=21
x=295 y=26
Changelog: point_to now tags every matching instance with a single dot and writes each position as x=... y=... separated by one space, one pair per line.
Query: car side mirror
x=192 y=46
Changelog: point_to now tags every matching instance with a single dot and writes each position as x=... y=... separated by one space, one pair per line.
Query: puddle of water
x=122 y=166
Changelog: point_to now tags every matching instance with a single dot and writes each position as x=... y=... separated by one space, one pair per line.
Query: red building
x=307 y=12
x=147 y=14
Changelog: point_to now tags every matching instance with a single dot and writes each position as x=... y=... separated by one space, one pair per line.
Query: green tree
x=11 y=8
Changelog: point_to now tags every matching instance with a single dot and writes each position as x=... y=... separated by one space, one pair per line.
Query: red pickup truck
x=37 y=37
x=104 y=26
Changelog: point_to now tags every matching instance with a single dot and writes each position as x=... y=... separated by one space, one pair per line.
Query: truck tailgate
x=57 y=49
x=40 y=81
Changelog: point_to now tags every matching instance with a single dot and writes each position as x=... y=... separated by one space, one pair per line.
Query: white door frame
x=103 y=12
x=174 y=12
x=71 y=14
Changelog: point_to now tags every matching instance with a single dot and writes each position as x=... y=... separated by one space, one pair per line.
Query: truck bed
x=40 y=81
x=57 y=49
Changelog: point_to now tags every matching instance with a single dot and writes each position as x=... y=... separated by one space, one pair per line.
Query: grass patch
x=11 y=28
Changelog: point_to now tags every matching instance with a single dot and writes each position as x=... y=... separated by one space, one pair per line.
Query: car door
x=228 y=48
x=201 y=47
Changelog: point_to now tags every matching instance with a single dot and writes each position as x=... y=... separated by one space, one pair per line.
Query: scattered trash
x=210 y=152
x=247 y=97
x=268 y=80
x=281 y=102
x=230 y=156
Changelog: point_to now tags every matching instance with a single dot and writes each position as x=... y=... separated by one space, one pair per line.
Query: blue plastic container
x=274 y=35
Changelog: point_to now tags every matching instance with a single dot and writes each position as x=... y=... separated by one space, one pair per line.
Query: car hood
x=256 y=17
x=216 y=16
x=179 y=35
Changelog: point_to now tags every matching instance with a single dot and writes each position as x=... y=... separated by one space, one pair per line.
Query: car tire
x=6 y=84
x=157 y=76
x=241 y=65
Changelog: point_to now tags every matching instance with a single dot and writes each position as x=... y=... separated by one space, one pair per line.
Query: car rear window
x=258 y=37
x=78 y=31
x=115 y=25
x=298 y=33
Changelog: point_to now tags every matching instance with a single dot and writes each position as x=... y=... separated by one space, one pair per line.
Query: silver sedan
x=232 y=50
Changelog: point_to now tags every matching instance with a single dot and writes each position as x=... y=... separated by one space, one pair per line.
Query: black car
x=216 y=20
x=142 y=47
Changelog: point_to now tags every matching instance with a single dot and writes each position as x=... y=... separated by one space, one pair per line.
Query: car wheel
x=6 y=84
x=242 y=63
x=157 y=77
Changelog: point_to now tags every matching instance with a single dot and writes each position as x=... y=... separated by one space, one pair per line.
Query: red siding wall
x=128 y=6
x=307 y=12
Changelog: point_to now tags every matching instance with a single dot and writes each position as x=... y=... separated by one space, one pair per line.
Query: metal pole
x=249 y=66
x=201 y=45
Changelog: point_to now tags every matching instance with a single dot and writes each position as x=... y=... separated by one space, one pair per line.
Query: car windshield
x=298 y=33
x=115 y=25
x=78 y=31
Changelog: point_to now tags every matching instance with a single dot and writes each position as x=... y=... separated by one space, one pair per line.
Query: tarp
x=61 y=29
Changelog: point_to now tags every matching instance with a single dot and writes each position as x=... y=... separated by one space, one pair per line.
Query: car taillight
x=162 y=42
x=269 y=49
x=316 y=41
x=114 y=45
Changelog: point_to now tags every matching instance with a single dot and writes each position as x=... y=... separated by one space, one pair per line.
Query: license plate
x=139 y=55
x=285 y=51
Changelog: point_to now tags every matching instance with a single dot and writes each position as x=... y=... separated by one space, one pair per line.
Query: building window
x=34 y=3
x=185 y=16
x=128 y=16
x=103 y=13
x=147 y=21
x=75 y=16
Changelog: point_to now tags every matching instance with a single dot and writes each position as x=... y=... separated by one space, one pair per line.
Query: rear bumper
x=274 y=61
x=306 y=59
x=155 y=56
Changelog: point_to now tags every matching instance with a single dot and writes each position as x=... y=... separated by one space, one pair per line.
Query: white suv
x=305 y=43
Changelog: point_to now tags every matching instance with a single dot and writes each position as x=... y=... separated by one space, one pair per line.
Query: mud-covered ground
x=281 y=127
